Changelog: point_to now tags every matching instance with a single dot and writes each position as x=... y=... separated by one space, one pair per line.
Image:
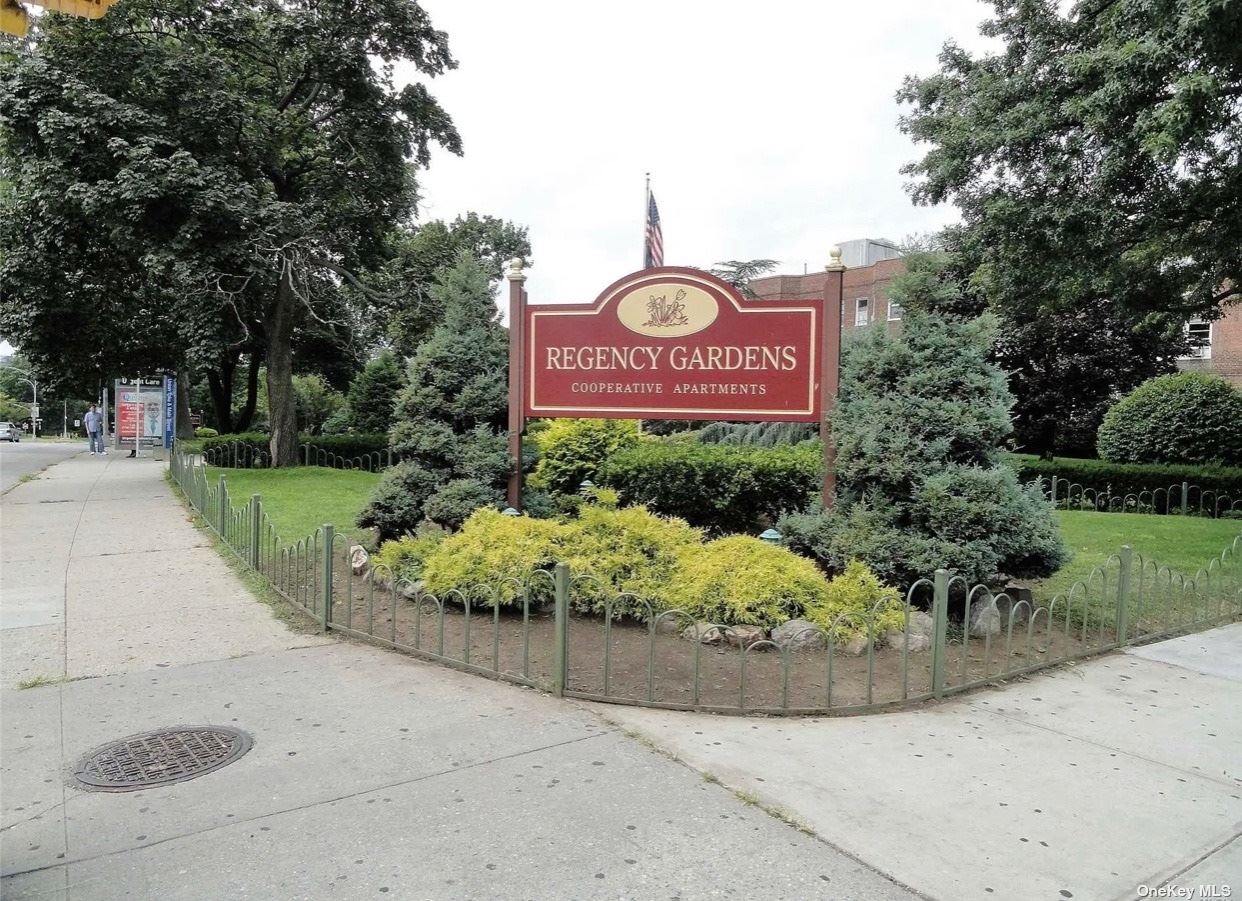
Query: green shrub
x=629 y=551
x=433 y=444
x=539 y=504
x=857 y=603
x=205 y=432
x=398 y=503
x=453 y=503
x=723 y=489
x=975 y=521
x=403 y=558
x=372 y=394
x=740 y=580
x=1109 y=485
x=496 y=552
x=572 y=450
x=1187 y=417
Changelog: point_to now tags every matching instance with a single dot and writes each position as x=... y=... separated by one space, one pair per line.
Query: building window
x=895 y=311
x=862 y=311
x=1199 y=332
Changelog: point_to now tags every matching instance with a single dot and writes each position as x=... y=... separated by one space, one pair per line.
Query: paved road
x=17 y=460
x=372 y=775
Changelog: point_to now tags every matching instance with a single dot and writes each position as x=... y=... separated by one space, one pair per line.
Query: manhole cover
x=161 y=757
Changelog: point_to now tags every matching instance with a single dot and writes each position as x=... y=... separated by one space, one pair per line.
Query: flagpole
x=646 y=215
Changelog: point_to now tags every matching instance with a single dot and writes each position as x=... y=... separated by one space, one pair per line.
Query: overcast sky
x=769 y=128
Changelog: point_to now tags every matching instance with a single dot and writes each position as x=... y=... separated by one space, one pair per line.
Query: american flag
x=653 y=244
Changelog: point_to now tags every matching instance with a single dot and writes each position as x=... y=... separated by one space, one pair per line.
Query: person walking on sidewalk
x=94 y=430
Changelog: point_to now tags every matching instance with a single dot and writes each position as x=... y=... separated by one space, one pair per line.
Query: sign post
x=517 y=416
x=833 y=300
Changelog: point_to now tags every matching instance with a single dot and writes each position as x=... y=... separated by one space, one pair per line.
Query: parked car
x=10 y=432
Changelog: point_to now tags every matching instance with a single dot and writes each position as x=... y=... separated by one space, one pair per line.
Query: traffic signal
x=15 y=20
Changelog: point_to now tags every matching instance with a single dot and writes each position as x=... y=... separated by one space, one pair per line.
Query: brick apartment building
x=873 y=263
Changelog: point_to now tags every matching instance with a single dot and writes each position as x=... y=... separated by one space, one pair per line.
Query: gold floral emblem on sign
x=663 y=314
x=667 y=309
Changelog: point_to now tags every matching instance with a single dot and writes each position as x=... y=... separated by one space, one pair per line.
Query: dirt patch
x=628 y=662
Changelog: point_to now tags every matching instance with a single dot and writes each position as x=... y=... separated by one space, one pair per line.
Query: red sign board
x=674 y=343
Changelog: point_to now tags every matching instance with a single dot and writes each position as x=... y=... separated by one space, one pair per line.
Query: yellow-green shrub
x=742 y=580
x=857 y=591
x=403 y=558
x=491 y=550
x=573 y=449
x=630 y=550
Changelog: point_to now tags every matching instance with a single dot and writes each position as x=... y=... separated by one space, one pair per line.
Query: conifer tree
x=920 y=424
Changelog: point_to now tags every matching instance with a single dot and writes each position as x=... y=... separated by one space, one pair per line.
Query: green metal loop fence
x=526 y=631
x=1182 y=498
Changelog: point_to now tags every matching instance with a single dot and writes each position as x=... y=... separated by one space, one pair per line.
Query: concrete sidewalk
x=372 y=775
x=1089 y=782
x=104 y=573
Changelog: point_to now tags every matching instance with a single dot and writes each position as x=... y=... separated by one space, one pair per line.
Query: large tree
x=415 y=255
x=199 y=178
x=1095 y=163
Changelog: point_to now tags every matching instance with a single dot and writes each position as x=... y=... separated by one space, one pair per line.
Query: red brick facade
x=1224 y=356
x=870 y=283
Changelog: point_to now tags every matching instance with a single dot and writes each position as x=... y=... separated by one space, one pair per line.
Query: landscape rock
x=985 y=618
x=359 y=560
x=856 y=647
x=705 y=633
x=411 y=590
x=918 y=642
x=670 y=625
x=1011 y=603
x=921 y=624
x=799 y=635
x=921 y=629
x=745 y=636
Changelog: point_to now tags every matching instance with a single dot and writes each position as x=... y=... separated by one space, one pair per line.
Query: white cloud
x=769 y=128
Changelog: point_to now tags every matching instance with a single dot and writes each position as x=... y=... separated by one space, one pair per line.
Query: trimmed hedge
x=249 y=450
x=1119 y=480
x=719 y=488
x=1186 y=417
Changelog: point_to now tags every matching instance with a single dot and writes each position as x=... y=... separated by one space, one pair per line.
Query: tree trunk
x=246 y=415
x=282 y=405
x=185 y=428
x=220 y=385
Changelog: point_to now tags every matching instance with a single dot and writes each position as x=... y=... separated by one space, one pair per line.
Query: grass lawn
x=1183 y=543
x=303 y=498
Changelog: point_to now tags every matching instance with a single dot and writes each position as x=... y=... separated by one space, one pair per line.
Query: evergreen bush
x=1187 y=417
x=921 y=484
x=453 y=503
x=373 y=394
x=449 y=414
x=398 y=503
